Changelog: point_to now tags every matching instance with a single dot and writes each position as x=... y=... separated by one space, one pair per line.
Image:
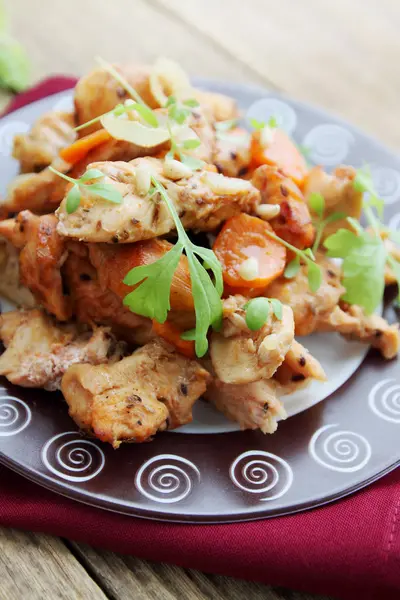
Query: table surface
x=339 y=55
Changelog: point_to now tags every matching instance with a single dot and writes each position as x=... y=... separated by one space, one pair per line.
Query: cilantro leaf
x=256 y=124
x=277 y=308
x=146 y=113
x=292 y=268
x=226 y=125
x=364 y=257
x=91 y=174
x=191 y=102
x=191 y=162
x=191 y=144
x=273 y=122
x=106 y=191
x=314 y=276
x=73 y=199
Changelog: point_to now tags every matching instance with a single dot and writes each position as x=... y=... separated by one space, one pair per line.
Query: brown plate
x=209 y=471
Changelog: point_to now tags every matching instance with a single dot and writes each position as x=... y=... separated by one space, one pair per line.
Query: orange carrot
x=243 y=237
x=280 y=152
x=172 y=334
x=79 y=149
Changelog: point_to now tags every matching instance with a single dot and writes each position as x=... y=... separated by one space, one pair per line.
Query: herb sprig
x=152 y=296
x=82 y=185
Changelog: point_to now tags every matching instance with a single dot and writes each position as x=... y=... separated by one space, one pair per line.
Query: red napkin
x=349 y=549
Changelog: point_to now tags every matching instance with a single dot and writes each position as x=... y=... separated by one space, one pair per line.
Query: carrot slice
x=172 y=334
x=79 y=149
x=280 y=152
x=243 y=237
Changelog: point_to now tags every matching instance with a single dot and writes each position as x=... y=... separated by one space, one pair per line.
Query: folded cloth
x=349 y=549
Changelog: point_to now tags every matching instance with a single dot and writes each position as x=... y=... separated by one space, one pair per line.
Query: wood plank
x=38 y=566
x=67 y=41
x=127 y=577
x=341 y=55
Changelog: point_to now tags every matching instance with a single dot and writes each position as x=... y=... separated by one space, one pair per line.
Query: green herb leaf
x=317 y=203
x=257 y=311
x=363 y=180
x=170 y=101
x=336 y=216
x=190 y=161
x=73 y=199
x=273 y=122
x=191 y=102
x=364 y=257
x=91 y=174
x=292 y=268
x=152 y=297
x=178 y=114
x=189 y=335
x=106 y=191
x=314 y=276
x=191 y=144
x=277 y=308
x=257 y=124
x=146 y=113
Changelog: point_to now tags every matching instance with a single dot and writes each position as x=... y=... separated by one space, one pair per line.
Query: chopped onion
x=173 y=169
x=134 y=132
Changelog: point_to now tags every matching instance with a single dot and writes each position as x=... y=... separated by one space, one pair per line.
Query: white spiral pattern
x=384 y=400
x=73 y=458
x=264 y=109
x=64 y=104
x=386 y=183
x=166 y=478
x=328 y=144
x=344 y=451
x=15 y=415
x=7 y=133
x=259 y=472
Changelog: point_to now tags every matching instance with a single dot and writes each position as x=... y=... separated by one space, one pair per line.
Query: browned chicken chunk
x=323 y=311
x=39 y=351
x=10 y=282
x=239 y=355
x=40 y=146
x=203 y=200
x=152 y=390
x=42 y=254
x=232 y=152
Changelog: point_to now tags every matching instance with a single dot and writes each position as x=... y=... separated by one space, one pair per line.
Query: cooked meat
x=39 y=351
x=39 y=192
x=40 y=146
x=242 y=356
x=10 y=283
x=252 y=405
x=218 y=106
x=338 y=192
x=293 y=223
x=41 y=257
x=323 y=311
x=152 y=390
x=232 y=153
x=93 y=303
x=203 y=200
x=299 y=360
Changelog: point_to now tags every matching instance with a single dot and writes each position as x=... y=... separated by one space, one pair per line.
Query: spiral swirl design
x=166 y=478
x=264 y=109
x=73 y=458
x=7 y=133
x=15 y=415
x=344 y=451
x=259 y=472
x=386 y=183
x=384 y=400
x=328 y=144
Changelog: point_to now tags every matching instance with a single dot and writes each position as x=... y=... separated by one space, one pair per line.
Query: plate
x=208 y=471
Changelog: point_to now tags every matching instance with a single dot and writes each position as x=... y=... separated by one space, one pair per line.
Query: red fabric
x=349 y=549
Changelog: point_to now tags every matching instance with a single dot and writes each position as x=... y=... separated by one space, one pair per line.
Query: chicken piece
x=10 y=284
x=203 y=201
x=152 y=390
x=93 y=303
x=219 y=107
x=252 y=405
x=339 y=195
x=232 y=152
x=41 y=257
x=301 y=364
x=293 y=224
x=39 y=351
x=323 y=311
x=240 y=355
x=40 y=146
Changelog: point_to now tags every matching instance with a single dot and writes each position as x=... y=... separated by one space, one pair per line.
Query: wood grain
x=39 y=566
x=341 y=55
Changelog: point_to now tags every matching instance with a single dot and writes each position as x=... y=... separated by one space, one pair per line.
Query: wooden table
x=341 y=55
